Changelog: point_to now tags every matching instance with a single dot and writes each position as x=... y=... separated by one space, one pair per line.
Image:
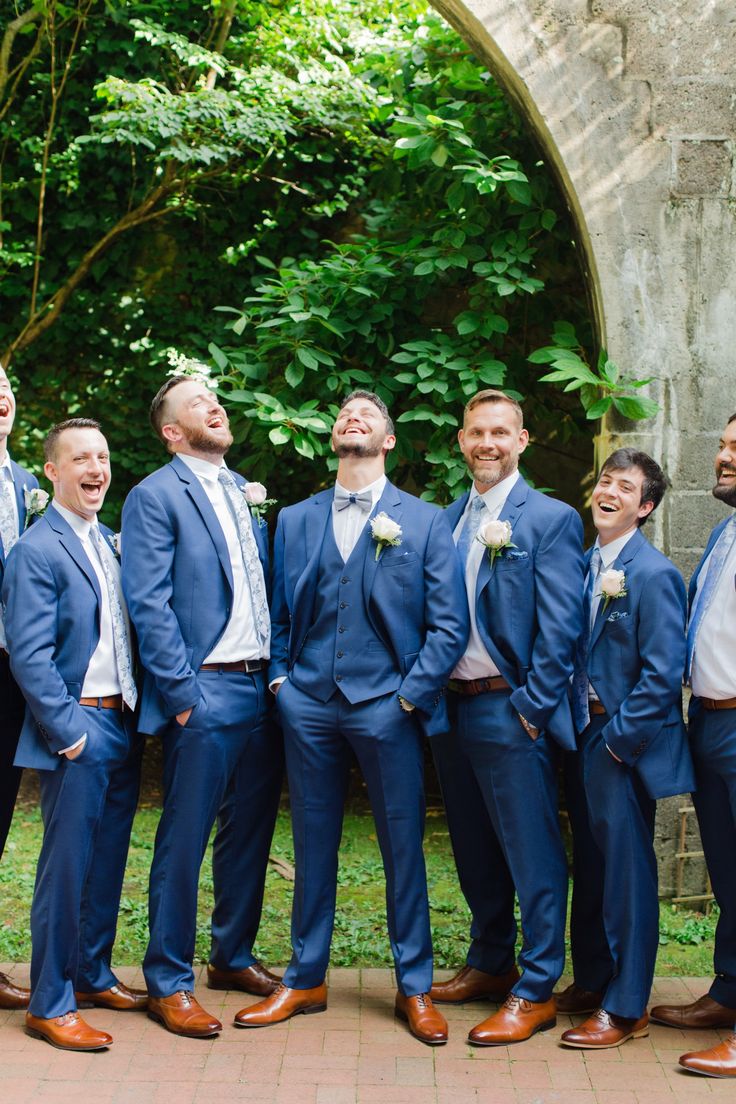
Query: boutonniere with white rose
x=35 y=501
x=258 y=501
x=116 y=543
x=386 y=532
x=496 y=537
x=613 y=586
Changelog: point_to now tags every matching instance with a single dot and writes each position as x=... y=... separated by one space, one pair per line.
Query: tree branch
x=228 y=14
x=12 y=29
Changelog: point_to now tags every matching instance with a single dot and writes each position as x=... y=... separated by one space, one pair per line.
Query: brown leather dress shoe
x=719 y=1061
x=119 y=998
x=603 y=1030
x=256 y=980
x=516 y=1020
x=67 y=1032
x=470 y=984
x=182 y=1014
x=575 y=1001
x=704 y=1012
x=12 y=996
x=282 y=1005
x=425 y=1022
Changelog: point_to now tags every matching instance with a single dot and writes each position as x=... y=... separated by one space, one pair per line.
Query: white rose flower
x=612 y=583
x=35 y=501
x=255 y=494
x=385 y=528
x=495 y=534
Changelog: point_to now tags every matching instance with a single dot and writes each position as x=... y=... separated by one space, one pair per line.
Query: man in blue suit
x=509 y=704
x=369 y=620
x=194 y=573
x=71 y=654
x=711 y=671
x=14 y=480
x=627 y=696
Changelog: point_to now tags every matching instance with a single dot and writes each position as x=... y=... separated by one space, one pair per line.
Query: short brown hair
x=490 y=395
x=655 y=482
x=51 y=443
x=157 y=412
x=371 y=396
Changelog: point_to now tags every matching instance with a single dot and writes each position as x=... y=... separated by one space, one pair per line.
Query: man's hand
x=407 y=706
x=182 y=718
x=73 y=753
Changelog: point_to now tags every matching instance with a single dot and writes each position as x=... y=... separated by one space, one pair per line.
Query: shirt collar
x=204 y=469
x=79 y=524
x=376 y=488
x=612 y=551
x=495 y=496
x=7 y=467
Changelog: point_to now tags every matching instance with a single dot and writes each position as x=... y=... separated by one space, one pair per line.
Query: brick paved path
x=355 y=1053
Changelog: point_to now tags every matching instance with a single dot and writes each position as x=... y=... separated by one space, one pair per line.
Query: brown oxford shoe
x=603 y=1030
x=67 y=1032
x=256 y=980
x=425 y=1022
x=575 y=1001
x=282 y=1005
x=12 y=996
x=119 y=998
x=516 y=1020
x=719 y=1061
x=704 y=1012
x=182 y=1014
x=470 y=984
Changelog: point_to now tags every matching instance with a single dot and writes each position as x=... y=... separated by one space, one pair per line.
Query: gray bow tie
x=344 y=498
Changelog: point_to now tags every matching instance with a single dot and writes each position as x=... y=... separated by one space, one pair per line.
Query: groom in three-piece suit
x=13 y=480
x=510 y=712
x=366 y=632
x=71 y=653
x=195 y=571
x=633 y=749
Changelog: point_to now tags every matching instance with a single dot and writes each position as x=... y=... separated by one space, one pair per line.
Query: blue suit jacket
x=178 y=585
x=636 y=663
x=715 y=534
x=52 y=600
x=529 y=607
x=22 y=479
x=414 y=595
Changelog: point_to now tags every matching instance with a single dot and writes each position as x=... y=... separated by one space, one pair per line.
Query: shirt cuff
x=274 y=685
x=82 y=740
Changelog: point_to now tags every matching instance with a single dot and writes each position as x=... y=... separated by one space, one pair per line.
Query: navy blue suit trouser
x=713 y=743
x=12 y=709
x=517 y=777
x=387 y=742
x=87 y=805
x=621 y=816
x=225 y=764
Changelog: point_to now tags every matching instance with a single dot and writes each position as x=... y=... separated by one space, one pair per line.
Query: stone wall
x=634 y=104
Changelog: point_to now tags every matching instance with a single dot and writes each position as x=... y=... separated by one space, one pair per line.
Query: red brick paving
x=355 y=1053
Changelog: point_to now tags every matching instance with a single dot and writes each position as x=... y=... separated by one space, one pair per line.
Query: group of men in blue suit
x=380 y=602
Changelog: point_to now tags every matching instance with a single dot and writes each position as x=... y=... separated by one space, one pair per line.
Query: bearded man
x=194 y=573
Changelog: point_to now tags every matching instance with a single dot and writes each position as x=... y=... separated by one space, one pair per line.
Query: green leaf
x=599 y=408
x=294 y=374
x=279 y=435
x=637 y=409
x=307 y=357
x=439 y=156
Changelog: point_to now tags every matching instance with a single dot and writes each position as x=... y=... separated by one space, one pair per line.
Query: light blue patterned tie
x=580 y=680
x=470 y=528
x=251 y=559
x=8 y=530
x=704 y=598
x=121 y=643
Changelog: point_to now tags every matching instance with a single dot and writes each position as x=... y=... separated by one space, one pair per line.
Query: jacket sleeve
x=662 y=645
x=558 y=585
x=278 y=666
x=148 y=547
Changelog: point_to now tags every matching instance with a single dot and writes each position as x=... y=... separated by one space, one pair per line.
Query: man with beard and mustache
x=369 y=618
x=711 y=672
x=13 y=481
x=195 y=569
x=510 y=710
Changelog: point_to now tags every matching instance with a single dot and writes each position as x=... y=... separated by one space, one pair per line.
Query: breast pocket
x=399 y=562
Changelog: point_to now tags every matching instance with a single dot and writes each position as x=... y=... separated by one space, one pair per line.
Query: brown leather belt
x=471 y=687
x=113 y=701
x=718 y=703
x=248 y=666
x=596 y=708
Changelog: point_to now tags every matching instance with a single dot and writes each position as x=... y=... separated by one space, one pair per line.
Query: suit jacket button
x=338 y=678
x=340 y=655
x=344 y=579
x=341 y=628
x=343 y=605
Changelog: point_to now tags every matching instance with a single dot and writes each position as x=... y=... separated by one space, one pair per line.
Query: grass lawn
x=360 y=938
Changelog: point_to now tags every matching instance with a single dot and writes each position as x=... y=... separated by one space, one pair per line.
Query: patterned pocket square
x=515 y=554
x=617 y=615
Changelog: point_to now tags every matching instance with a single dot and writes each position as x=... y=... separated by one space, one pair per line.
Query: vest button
x=340 y=655
x=341 y=629
x=344 y=579
x=343 y=605
x=338 y=678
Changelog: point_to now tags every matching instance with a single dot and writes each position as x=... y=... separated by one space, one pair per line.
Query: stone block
x=690 y=518
x=691 y=108
x=701 y=168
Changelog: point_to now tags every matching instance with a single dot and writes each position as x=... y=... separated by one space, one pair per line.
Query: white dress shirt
x=240 y=638
x=476 y=663
x=609 y=553
x=6 y=474
x=713 y=673
x=348 y=523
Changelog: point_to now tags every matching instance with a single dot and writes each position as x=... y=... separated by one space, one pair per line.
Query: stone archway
x=634 y=104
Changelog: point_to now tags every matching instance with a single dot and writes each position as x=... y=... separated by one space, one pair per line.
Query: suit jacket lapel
x=71 y=542
x=510 y=512
x=18 y=477
x=621 y=563
x=317 y=516
x=389 y=503
x=198 y=495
